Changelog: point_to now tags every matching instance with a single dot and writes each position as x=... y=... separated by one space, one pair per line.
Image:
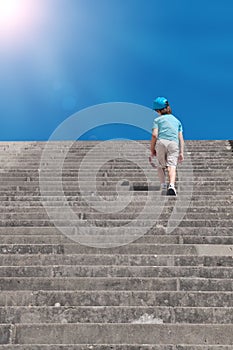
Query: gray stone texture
x=162 y=291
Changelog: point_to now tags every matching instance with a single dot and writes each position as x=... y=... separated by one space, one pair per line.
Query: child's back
x=167 y=143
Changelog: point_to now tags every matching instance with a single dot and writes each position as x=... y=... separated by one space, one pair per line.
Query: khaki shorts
x=167 y=153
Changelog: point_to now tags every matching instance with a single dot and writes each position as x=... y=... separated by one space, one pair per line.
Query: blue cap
x=160 y=103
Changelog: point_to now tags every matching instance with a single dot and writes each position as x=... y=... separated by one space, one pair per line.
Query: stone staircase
x=93 y=257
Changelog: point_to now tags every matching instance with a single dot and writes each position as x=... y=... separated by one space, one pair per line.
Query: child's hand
x=181 y=158
x=153 y=153
x=151 y=160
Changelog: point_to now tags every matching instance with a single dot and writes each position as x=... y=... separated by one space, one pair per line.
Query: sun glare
x=8 y=8
x=10 y=11
x=17 y=17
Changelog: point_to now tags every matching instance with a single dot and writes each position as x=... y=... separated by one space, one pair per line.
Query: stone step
x=121 y=185
x=104 y=347
x=155 y=230
x=109 y=224
x=13 y=181
x=116 y=151
x=16 y=201
x=64 y=146
x=107 y=195
x=116 y=283
x=165 y=334
x=90 y=143
x=132 y=248
x=126 y=154
x=196 y=175
x=117 y=200
x=63 y=239
x=118 y=185
x=108 y=165
x=112 y=271
x=115 y=314
x=117 y=260
x=111 y=195
x=120 y=180
x=14 y=207
x=102 y=283
x=113 y=180
x=123 y=181
x=85 y=216
x=121 y=148
x=61 y=146
x=117 y=298
x=111 y=186
x=66 y=173
x=57 y=291
x=59 y=152
x=131 y=208
x=134 y=161
x=111 y=156
x=135 y=190
x=85 y=145
x=142 y=150
x=195 y=167
x=154 y=239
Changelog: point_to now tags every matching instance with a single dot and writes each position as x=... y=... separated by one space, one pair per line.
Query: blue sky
x=73 y=54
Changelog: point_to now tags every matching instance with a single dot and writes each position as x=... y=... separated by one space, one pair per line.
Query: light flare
x=17 y=18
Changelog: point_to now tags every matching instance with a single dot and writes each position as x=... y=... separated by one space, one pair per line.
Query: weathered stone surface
x=76 y=248
x=202 y=284
x=121 y=271
x=87 y=283
x=4 y=334
x=161 y=292
x=117 y=298
x=124 y=334
x=154 y=230
x=138 y=271
x=117 y=259
x=31 y=249
x=111 y=314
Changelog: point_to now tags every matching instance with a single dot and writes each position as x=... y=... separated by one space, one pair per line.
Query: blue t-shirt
x=168 y=127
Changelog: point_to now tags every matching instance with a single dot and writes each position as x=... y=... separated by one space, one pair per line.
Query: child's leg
x=172 y=158
x=172 y=174
x=162 y=175
x=161 y=155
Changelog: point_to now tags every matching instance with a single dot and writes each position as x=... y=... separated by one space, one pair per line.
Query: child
x=167 y=144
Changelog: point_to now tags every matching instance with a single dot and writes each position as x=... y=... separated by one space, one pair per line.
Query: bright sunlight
x=9 y=9
x=17 y=17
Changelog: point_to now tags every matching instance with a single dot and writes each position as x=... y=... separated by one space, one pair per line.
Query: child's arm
x=153 y=141
x=181 y=145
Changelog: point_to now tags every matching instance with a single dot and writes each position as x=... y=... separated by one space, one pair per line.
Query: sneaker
x=163 y=190
x=171 y=191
